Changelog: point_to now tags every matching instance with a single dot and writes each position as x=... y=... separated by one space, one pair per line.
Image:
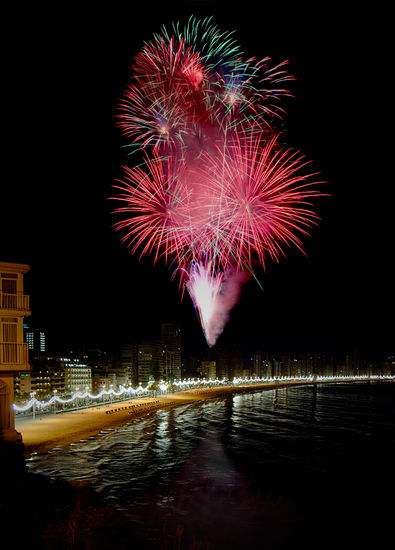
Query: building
x=46 y=376
x=237 y=367
x=387 y=366
x=157 y=359
x=191 y=367
x=35 y=339
x=97 y=359
x=14 y=306
x=77 y=375
x=229 y=362
x=65 y=374
x=221 y=356
x=100 y=383
x=150 y=364
x=38 y=381
x=307 y=364
x=171 y=352
x=261 y=364
x=209 y=370
x=129 y=362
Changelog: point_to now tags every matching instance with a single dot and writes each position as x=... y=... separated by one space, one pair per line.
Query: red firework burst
x=155 y=204
x=174 y=95
x=249 y=200
x=166 y=99
x=219 y=194
x=262 y=198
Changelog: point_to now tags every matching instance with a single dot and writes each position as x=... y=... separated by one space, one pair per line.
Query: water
x=307 y=466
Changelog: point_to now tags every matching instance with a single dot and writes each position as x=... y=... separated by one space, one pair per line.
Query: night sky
x=67 y=69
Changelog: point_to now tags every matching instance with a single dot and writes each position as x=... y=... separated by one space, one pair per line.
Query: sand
x=48 y=431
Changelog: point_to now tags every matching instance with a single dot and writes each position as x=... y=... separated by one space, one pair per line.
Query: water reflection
x=246 y=469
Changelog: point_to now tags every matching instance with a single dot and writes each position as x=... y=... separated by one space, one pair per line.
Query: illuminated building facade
x=37 y=381
x=261 y=364
x=55 y=373
x=45 y=377
x=209 y=369
x=229 y=362
x=171 y=352
x=129 y=362
x=220 y=356
x=14 y=306
x=150 y=361
x=77 y=375
x=158 y=359
x=35 y=339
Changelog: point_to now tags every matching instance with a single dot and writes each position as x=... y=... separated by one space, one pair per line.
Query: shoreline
x=49 y=431
x=65 y=513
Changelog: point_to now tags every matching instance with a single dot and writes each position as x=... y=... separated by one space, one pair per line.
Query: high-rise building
x=150 y=361
x=261 y=364
x=129 y=362
x=171 y=352
x=307 y=360
x=191 y=367
x=236 y=365
x=221 y=356
x=14 y=306
x=209 y=369
x=97 y=359
x=35 y=339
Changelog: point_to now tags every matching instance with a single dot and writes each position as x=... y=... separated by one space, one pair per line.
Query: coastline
x=66 y=513
x=49 y=431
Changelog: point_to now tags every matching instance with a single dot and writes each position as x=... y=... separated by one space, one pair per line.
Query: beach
x=48 y=431
x=259 y=456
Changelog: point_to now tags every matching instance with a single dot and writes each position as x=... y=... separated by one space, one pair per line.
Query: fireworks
x=218 y=194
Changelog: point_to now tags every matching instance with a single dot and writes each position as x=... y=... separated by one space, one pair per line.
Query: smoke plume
x=224 y=303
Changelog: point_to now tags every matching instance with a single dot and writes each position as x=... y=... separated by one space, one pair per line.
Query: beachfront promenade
x=43 y=432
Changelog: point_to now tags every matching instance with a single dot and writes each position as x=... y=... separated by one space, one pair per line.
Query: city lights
x=187 y=384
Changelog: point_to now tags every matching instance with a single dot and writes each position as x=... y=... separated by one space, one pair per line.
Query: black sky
x=67 y=69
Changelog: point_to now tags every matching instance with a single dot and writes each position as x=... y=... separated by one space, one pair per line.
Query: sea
x=294 y=467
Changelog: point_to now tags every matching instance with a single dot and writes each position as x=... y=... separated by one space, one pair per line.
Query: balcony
x=14 y=302
x=14 y=357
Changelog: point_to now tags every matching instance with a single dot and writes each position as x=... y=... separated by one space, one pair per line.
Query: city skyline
x=87 y=288
x=117 y=420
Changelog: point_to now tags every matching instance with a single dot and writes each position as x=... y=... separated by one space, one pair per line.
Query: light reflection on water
x=230 y=468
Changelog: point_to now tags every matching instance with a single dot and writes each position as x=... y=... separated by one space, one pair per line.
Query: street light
x=55 y=402
x=33 y=393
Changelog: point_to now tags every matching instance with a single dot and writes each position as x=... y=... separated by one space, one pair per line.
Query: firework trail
x=214 y=297
x=217 y=194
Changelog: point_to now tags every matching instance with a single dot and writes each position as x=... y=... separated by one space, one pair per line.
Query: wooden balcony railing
x=17 y=301
x=13 y=355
